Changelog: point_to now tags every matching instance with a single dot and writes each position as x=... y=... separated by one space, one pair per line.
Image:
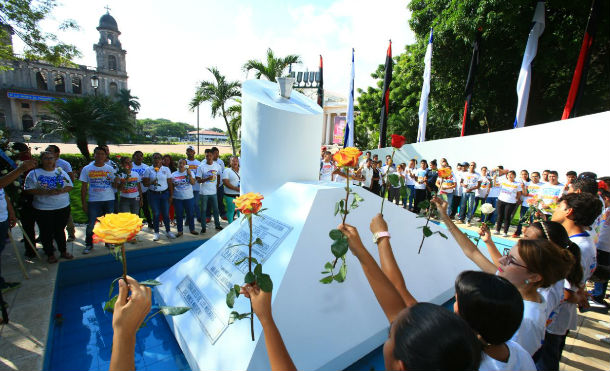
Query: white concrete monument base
x=325 y=327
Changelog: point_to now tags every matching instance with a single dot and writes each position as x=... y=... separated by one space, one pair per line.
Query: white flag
x=348 y=140
x=525 y=75
x=425 y=90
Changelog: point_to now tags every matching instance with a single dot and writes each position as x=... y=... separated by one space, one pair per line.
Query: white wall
x=578 y=144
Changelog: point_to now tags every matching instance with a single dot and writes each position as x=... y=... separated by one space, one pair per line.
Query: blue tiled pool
x=80 y=333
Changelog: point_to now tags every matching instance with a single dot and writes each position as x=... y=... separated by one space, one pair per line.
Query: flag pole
x=474 y=63
x=385 y=99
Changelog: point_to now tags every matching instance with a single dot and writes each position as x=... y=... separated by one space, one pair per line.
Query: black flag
x=474 y=63
x=385 y=99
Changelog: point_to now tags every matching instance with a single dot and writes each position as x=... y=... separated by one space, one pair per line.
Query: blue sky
x=170 y=43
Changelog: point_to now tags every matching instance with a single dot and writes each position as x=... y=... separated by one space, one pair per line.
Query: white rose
x=27 y=137
x=487 y=209
x=8 y=153
x=16 y=183
x=19 y=162
x=1 y=132
x=4 y=171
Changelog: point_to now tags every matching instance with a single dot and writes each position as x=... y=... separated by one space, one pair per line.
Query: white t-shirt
x=182 y=186
x=3 y=206
x=553 y=295
x=221 y=164
x=42 y=179
x=193 y=165
x=549 y=193
x=519 y=359
x=65 y=165
x=158 y=179
x=448 y=184
x=100 y=182
x=533 y=189
x=508 y=191
x=233 y=179
x=408 y=180
x=601 y=227
x=495 y=186
x=367 y=173
x=565 y=318
x=326 y=171
x=387 y=170
x=205 y=171
x=419 y=175
x=141 y=170
x=130 y=187
x=530 y=334
x=469 y=180
x=485 y=187
x=458 y=188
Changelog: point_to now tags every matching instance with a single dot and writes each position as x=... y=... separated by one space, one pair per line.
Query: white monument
x=325 y=327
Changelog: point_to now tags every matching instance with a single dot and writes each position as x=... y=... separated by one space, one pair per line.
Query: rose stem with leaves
x=345 y=210
x=385 y=187
x=250 y=270
x=423 y=237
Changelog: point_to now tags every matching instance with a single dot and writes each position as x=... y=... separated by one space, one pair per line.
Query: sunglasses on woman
x=511 y=259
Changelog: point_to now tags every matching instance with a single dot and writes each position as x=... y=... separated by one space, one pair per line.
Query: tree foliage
x=90 y=117
x=274 y=66
x=162 y=128
x=505 y=28
x=22 y=18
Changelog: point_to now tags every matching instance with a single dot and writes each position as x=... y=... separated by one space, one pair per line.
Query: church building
x=26 y=88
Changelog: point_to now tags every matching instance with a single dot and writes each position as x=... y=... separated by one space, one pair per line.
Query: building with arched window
x=28 y=86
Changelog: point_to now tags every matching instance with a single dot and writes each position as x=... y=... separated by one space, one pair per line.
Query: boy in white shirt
x=327 y=168
x=192 y=163
x=208 y=175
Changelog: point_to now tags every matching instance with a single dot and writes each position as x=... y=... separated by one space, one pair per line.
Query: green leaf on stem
x=339 y=247
x=340 y=277
x=423 y=204
x=357 y=197
x=264 y=282
x=335 y=234
x=249 y=278
x=258 y=241
x=393 y=179
x=241 y=260
x=150 y=283
x=328 y=266
x=258 y=270
x=403 y=191
x=112 y=286
x=337 y=207
x=442 y=234
x=230 y=300
x=427 y=231
x=174 y=311
x=354 y=204
x=109 y=305
x=327 y=279
x=235 y=316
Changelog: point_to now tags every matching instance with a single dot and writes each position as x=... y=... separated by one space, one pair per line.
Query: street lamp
x=95 y=83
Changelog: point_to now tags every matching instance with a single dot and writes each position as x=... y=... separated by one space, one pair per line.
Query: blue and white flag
x=525 y=75
x=425 y=90
x=348 y=139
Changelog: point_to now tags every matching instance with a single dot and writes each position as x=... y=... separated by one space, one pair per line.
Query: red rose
x=398 y=141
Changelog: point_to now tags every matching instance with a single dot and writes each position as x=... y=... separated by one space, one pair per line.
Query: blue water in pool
x=81 y=338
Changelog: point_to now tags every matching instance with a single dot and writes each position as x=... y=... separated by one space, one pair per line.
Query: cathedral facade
x=28 y=86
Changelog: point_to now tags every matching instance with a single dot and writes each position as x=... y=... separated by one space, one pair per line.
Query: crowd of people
x=166 y=193
x=515 y=313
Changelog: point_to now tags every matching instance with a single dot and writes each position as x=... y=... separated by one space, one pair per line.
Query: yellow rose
x=347 y=157
x=444 y=172
x=117 y=228
x=250 y=203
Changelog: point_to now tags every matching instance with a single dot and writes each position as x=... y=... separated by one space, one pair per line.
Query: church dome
x=108 y=22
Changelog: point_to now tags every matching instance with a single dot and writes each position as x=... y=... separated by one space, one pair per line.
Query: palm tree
x=218 y=92
x=128 y=101
x=234 y=113
x=274 y=67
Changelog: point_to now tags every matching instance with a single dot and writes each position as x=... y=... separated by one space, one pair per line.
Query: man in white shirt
x=97 y=182
x=220 y=191
x=470 y=181
x=457 y=193
x=208 y=175
x=65 y=165
x=192 y=164
x=551 y=192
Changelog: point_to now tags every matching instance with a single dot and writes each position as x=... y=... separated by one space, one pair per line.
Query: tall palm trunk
x=83 y=147
x=224 y=116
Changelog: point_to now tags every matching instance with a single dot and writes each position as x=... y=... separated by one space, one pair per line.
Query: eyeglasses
x=510 y=259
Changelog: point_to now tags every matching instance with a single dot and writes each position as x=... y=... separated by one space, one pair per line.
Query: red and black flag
x=385 y=100
x=321 y=85
x=582 y=66
x=474 y=63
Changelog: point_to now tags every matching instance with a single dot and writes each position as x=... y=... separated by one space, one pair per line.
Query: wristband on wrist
x=379 y=235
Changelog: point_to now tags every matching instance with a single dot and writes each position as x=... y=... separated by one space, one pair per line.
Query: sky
x=170 y=44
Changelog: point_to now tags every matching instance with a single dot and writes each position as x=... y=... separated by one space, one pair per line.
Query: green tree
x=274 y=67
x=129 y=101
x=82 y=118
x=218 y=93
x=22 y=18
x=235 y=113
x=505 y=27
